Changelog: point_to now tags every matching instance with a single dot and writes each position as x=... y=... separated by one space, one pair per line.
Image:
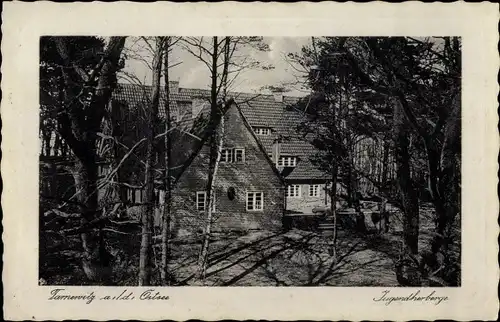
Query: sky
x=192 y=73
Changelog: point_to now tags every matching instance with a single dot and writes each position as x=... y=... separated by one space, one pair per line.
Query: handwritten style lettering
x=148 y=295
x=57 y=294
x=415 y=297
x=60 y=294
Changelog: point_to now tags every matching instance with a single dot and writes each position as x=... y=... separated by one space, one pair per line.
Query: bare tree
x=214 y=157
x=168 y=43
x=224 y=61
x=85 y=96
x=407 y=191
x=145 y=50
x=145 y=260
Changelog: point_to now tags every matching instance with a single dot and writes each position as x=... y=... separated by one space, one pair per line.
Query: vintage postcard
x=250 y=161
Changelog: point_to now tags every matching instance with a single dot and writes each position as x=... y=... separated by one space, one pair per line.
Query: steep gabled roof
x=191 y=146
x=284 y=119
x=194 y=149
x=258 y=110
x=259 y=144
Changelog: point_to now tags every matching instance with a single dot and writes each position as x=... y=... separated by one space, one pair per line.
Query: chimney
x=278 y=97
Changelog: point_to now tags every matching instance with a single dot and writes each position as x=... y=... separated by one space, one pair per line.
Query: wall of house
x=304 y=203
x=255 y=173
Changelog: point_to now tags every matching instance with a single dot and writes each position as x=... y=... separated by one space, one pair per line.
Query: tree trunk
x=385 y=165
x=444 y=174
x=80 y=135
x=449 y=183
x=46 y=135
x=216 y=144
x=105 y=85
x=406 y=188
x=353 y=179
x=117 y=128
x=349 y=184
x=210 y=204
x=214 y=116
x=447 y=199
x=408 y=268
x=145 y=258
x=167 y=206
x=333 y=208
x=96 y=260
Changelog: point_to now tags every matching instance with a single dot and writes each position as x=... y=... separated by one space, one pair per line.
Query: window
x=232 y=155
x=130 y=195
x=201 y=201
x=262 y=130
x=138 y=195
x=293 y=191
x=231 y=193
x=103 y=170
x=239 y=155
x=314 y=190
x=255 y=201
x=226 y=155
x=287 y=162
x=134 y=195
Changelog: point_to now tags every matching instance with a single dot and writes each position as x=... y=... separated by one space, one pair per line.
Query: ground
x=296 y=258
x=264 y=258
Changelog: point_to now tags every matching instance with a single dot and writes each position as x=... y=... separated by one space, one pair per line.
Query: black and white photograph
x=263 y=161
x=250 y=161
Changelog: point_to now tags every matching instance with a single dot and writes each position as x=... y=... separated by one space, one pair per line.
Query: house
x=271 y=120
x=275 y=119
x=264 y=171
x=266 y=167
x=248 y=189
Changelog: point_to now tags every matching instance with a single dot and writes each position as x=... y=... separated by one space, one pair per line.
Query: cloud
x=195 y=74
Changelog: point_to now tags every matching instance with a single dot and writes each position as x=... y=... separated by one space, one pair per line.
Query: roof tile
x=259 y=110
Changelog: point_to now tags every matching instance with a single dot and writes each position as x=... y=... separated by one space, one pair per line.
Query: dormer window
x=262 y=130
x=287 y=161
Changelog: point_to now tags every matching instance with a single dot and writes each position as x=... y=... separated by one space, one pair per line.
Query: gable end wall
x=254 y=174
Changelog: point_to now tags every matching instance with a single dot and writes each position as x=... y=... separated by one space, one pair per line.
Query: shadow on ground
x=295 y=258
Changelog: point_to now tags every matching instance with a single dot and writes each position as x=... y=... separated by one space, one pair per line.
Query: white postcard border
x=24 y=23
